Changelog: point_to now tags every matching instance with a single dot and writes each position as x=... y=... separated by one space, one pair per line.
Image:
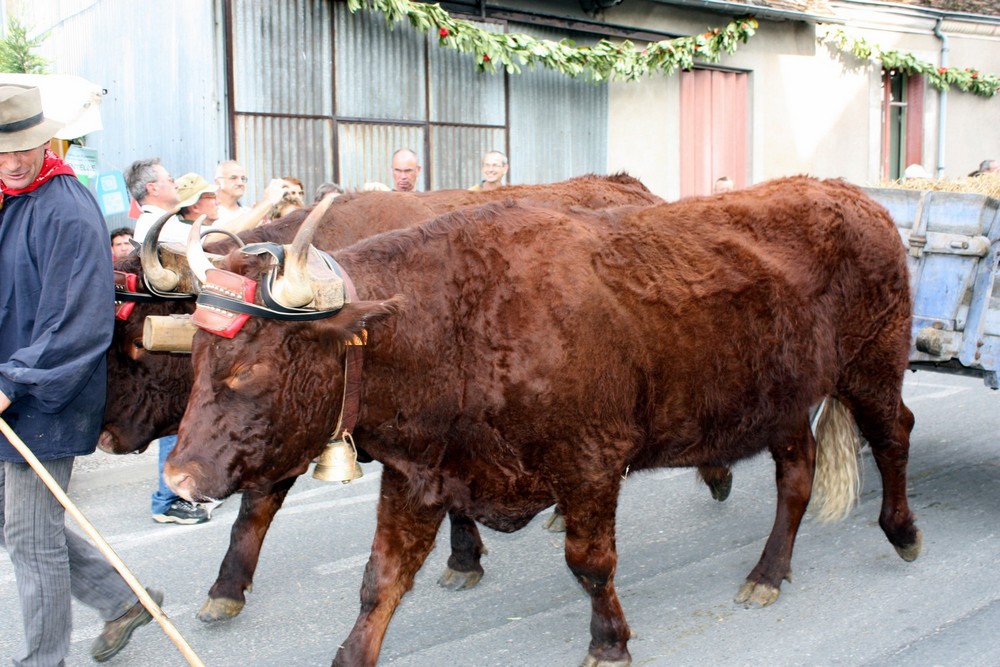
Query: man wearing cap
x=198 y=198
x=56 y=318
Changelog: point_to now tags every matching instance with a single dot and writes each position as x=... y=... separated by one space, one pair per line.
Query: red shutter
x=713 y=127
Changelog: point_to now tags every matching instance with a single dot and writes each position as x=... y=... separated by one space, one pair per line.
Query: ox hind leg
x=227 y=596
x=886 y=423
x=464 y=569
x=589 y=512
x=795 y=462
x=404 y=535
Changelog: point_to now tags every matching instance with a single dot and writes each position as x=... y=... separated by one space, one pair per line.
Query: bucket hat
x=190 y=188
x=22 y=124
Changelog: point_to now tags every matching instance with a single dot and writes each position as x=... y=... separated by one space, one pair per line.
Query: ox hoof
x=910 y=553
x=555 y=523
x=591 y=661
x=720 y=488
x=219 y=609
x=454 y=580
x=754 y=593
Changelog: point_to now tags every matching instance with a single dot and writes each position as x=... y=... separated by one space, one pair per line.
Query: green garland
x=967 y=80
x=603 y=61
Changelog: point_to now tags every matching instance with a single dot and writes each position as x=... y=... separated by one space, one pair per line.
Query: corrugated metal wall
x=161 y=64
x=282 y=91
x=397 y=88
x=468 y=112
x=558 y=124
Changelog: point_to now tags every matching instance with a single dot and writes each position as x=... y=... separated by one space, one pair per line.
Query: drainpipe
x=942 y=100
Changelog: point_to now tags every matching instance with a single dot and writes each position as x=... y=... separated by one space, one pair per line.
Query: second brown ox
x=518 y=357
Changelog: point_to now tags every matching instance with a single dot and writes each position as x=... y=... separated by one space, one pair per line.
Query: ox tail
x=837 y=481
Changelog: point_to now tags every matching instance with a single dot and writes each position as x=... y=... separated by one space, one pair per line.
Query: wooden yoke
x=168 y=333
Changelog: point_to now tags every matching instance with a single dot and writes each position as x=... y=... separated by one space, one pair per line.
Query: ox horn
x=197 y=258
x=292 y=289
x=160 y=277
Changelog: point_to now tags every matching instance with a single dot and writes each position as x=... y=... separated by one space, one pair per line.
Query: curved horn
x=292 y=289
x=161 y=278
x=197 y=259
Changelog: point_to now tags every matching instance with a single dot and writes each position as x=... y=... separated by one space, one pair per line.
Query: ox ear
x=357 y=317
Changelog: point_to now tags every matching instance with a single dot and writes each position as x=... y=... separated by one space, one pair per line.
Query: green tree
x=15 y=51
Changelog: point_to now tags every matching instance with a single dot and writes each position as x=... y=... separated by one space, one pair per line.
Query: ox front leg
x=464 y=569
x=794 y=467
x=591 y=556
x=404 y=535
x=227 y=596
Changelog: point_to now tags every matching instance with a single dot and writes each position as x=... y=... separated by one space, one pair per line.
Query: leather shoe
x=117 y=632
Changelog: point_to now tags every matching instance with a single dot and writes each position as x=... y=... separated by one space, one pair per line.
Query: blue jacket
x=56 y=318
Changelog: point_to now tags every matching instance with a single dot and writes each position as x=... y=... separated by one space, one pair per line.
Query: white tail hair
x=837 y=481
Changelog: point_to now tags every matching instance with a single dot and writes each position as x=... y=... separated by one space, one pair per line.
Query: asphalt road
x=682 y=557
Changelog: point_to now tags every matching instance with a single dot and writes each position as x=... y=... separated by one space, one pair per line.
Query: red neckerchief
x=52 y=165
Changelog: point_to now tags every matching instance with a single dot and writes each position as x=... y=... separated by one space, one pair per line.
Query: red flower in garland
x=486 y=57
x=942 y=70
x=443 y=32
x=975 y=75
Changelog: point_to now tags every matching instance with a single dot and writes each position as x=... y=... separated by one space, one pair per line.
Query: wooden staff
x=102 y=544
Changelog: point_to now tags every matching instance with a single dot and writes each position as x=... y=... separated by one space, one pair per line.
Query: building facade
x=309 y=89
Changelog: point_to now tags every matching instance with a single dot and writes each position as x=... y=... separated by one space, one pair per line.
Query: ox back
x=520 y=356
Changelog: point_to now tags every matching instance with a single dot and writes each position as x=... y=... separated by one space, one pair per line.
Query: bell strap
x=353 y=362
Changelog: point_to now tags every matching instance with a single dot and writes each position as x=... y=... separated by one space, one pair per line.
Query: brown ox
x=147 y=391
x=518 y=357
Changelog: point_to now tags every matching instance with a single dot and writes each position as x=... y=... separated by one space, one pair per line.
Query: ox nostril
x=107 y=442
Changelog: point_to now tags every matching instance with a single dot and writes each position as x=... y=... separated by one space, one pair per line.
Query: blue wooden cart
x=953 y=241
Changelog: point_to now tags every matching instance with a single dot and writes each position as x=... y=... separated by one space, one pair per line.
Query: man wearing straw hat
x=56 y=317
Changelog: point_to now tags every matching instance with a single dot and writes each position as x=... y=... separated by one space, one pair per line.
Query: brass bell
x=338 y=462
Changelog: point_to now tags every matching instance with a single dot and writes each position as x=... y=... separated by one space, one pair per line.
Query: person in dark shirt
x=56 y=318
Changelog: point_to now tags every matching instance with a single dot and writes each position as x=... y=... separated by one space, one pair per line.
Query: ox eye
x=240 y=376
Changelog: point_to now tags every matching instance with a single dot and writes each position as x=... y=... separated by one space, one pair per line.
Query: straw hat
x=22 y=124
x=190 y=188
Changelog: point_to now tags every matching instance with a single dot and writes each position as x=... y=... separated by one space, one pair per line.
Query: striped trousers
x=51 y=564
